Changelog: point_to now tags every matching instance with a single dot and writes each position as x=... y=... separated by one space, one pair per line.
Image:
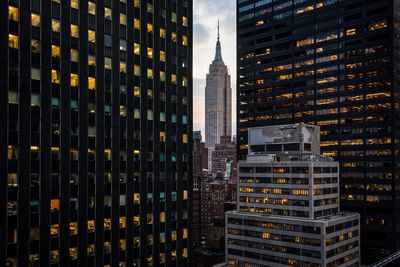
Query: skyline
x=206 y=14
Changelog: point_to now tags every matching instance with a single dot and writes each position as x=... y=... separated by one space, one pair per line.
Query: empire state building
x=218 y=100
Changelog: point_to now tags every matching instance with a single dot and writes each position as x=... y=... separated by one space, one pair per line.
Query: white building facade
x=288 y=205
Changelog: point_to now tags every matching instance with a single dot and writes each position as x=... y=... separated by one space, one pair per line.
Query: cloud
x=201 y=34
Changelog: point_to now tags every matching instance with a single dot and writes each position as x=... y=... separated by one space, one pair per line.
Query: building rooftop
x=334 y=217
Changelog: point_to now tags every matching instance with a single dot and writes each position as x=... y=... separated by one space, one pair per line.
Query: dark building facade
x=334 y=64
x=200 y=154
x=214 y=194
x=95 y=132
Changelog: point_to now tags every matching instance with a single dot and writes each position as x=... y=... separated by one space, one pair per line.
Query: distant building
x=214 y=194
x=200 y=154
x=214 y=239
x=196 y=211
x=218 y=101
x=288 y=204
x=224 y=158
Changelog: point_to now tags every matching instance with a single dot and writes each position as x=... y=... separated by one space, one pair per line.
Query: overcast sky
x=205 y=17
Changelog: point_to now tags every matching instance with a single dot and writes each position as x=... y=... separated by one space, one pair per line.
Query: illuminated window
x=174 y=37
x=173 y=255
x=74 y=30
x=92 y=60
x=73 y=228
x=304 y=42
x=185 y=139
x=136 y=24
x=107 y=13
x=136 y=70
x=54 y=230
x=149 y=28
x=137 y=3
x=55 y=76
x=162 y=76
x=107 y=224
x=184 y=40
x=162 y=56
x=149 y=218
x=35 y=20
x=122 y=19
x=377 y=25
x=55 y=51
x=162 y=255
x=91 y=36
x=162 y=136
x=185 y=252
x=162 y=33
x=174 y=17
x=149 y=52
x=13 y=13
x=136 y=220
x=136 y=198
x=150 y=114
x=92 y=8
x=74 y=79
x=150 y=73
x=174 y=79
x=162 y=217
x=184 y=21
x=75 y=4
x=12 y=153
x=91 y=226
x=13 y=41
x=35 y=100
x=122 y=66
x=185 y=233
x=74 y=55
x=351 y=32
x=173 y=235
x=91 y=83
x=107 y=63
x=136 y=48
x=35 y=46
x=136 y=91
x=55 y=25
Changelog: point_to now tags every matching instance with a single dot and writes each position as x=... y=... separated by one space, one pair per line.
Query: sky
x=205 y=19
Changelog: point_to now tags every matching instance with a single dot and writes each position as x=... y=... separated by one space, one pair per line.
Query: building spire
x=218 y=54
x=218 y=31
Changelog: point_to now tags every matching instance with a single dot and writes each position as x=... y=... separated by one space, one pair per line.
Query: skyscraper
x=334 y=64
x=95 y=132
x=218 y=101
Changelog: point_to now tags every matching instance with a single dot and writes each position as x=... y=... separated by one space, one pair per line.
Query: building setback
x=333 y=64
x=288 y=205
x=95 y=132
x=218 y=102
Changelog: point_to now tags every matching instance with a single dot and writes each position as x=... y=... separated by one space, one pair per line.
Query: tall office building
x=288 y=205
x=218 y=102
x=334 y=64
x=95 y=132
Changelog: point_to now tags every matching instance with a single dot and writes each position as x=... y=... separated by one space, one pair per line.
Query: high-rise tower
x=95 y=132
x=334 y=64
x=218 y=101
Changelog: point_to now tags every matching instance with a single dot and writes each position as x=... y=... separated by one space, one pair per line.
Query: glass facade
x=333 y=64
x=95 y=132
